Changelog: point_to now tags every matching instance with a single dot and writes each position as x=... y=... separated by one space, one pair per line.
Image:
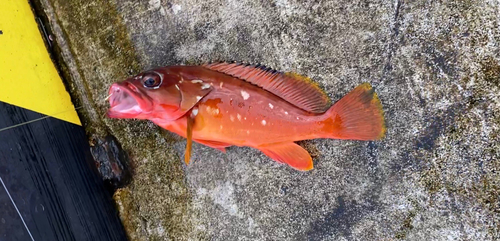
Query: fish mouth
x=125 y=101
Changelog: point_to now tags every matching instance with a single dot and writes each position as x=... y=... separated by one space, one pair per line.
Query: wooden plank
x=48 y=172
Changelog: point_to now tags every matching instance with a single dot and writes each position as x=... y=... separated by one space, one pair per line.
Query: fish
x=236 y=104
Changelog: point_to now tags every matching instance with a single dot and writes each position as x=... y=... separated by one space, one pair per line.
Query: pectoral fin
x=289 y=153
x=189 y=134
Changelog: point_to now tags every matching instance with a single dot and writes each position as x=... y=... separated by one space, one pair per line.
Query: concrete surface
x=434 y=64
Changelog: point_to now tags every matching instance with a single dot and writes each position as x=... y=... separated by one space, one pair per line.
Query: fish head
x=151 y=93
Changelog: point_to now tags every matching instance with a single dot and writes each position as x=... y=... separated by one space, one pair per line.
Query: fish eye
x=152 y=80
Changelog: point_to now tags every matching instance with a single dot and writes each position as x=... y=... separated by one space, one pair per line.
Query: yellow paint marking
x=28 y=78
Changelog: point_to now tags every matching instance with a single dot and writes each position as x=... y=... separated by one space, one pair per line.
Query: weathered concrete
x=435 y=66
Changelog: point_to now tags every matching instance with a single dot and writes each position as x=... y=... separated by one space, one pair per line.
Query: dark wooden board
x=48 y=171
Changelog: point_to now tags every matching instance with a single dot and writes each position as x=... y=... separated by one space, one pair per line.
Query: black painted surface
x=47 y=168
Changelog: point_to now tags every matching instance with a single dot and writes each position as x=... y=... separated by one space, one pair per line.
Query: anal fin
x=289 y=153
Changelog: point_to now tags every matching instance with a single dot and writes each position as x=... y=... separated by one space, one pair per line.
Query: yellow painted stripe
x=28 y=77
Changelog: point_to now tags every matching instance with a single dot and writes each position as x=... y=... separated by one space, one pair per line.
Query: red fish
x=226 y=104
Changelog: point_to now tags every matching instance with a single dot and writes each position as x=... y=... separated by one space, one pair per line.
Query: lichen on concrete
x=435 y=67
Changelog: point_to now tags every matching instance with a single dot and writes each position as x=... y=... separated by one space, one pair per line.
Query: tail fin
x=357 y=116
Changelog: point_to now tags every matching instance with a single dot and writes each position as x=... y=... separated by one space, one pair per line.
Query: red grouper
x=225 y=104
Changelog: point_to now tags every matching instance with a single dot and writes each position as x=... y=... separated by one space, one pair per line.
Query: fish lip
x=126 y=101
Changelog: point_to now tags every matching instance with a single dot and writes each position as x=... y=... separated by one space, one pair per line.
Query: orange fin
x=289 y=153
x=357 y=116
x=189 y=136
x=294 y=88
x=221 y=146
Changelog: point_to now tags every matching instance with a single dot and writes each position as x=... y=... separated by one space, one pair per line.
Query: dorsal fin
x=294 y=88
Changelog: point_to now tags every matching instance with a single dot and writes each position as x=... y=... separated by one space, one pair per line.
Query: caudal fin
x=357 y=116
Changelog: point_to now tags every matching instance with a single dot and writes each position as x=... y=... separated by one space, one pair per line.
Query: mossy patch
x=491 y=71
x=125 y=206
x=95 y=34
x=156 y=202
x=99 y=52
x=406 y=226
x=470 y=145
x=430 y=180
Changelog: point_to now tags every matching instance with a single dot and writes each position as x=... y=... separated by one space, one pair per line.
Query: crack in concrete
x=392 y=43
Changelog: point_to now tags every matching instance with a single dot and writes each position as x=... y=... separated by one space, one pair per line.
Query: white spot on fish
x=198 y=98
x=248 y=132
x=239 y=117
x=271 y=106
x=205 y=86
x=245 y=118
x=263 y=122
x=196 y=81
x=231 y=117
x=221 y=84
x=176 y=86
x=245 y=95
x=195 y=112
x=297 y=118
x=286 y=112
